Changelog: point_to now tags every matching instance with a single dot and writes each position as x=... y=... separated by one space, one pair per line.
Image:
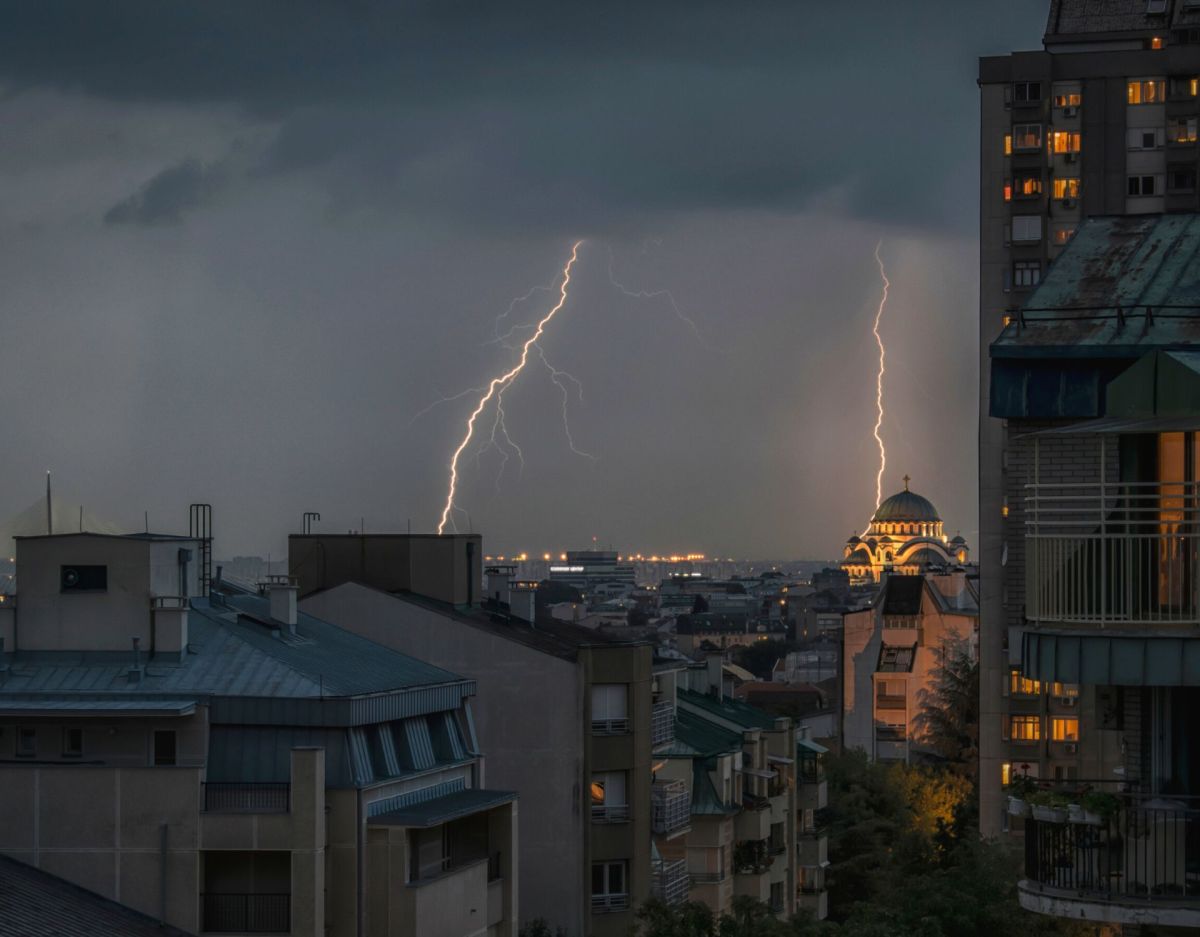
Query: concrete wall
x=51 y=619
x=447 y=568
x=529 y=716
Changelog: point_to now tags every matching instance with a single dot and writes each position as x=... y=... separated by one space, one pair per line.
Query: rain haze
x=247 y=247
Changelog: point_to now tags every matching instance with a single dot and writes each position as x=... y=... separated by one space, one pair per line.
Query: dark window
x=1182 y=180
x=164 y=747
x=1027 y=92
x=1027 y=273
x=1141 y=185
x=26 y=742
x=72 y=743
x=84 y=578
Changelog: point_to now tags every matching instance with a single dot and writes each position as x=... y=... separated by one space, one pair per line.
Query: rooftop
x=34 y=903
x=741 y=714
x=1091 y=17
x=1124 y=285
x=902 y=595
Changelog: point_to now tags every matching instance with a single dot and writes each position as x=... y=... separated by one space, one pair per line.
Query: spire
x=906 y=481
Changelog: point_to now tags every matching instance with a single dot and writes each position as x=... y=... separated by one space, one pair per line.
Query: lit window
x=1156 y=42
x=1027 y=136
x=1149 y=91
x=1064 y=690
x=1070 y=99
x=1008 y=144
x=1008 y=191
x=1005 y=774
x=1027 y=228
x=1063 y=233
x=1020 y=685
x=1180 y=88
x=1181 y=130
x=1027 y=186
x=1027 y=92
x=1066 y=187
x=1027 y=273
x=1066 y=141
x=1142 y=185
x=608 y=796
x=1024 y=728
x=1064 y=729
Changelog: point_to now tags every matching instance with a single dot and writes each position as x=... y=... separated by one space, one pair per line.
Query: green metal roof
x=696 y=735
x=444 y=809
x=705 y=802
x=807 y=745
x=739 y=713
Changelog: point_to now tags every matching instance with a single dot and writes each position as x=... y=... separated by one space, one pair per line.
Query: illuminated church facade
x=905 y=536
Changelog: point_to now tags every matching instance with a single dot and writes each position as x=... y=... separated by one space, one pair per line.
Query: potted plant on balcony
x=1020 y=790
x=1098 y=807
x=1049 y=806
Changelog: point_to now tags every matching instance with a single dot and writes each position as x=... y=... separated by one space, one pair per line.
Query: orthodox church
x=905 y=537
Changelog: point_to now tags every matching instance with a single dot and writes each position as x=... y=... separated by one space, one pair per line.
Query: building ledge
x=1058 y=902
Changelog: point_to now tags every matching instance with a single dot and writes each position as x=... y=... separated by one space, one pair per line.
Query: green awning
x=809 y=746
x=1162 y=384
x=1113 y=659
x=444 y=809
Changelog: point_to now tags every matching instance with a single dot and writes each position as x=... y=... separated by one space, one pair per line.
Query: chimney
x=522 y=601
x=282 y=592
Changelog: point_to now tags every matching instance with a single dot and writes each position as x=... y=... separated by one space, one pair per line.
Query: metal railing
x=887 y=733
x=670 y=882
x=610 y=726
x=1147 y=852
x=890 y=701
x=670 y=806
x=708 y=878
x=230 y=913
x=237 y=797
x=662 y=723
x=604 y=904
x=1119 y=553
x=610 y=813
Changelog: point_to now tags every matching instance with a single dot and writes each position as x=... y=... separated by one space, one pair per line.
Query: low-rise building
x=890 y=652
x=223 y=763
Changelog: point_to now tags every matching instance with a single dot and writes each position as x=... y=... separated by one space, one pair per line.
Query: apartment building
x=224 y=764
x=891 y=652
x=564 y=713
x=1098 y=383
x=755 y=793
x=1101 y=121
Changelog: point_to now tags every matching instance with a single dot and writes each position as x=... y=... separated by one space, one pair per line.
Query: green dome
x=906 y=506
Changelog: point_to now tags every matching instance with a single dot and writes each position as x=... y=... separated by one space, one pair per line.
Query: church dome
x=906 y=506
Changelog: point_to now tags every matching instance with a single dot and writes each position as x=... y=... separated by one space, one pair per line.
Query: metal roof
x=34 y=903
x=731 y=710
x=444 y=809
x=99 y=707
x=232 y=655
x=705 y=801
x=1123 y=286
x=1078 y=17
x=902 y=595
x=695 y=735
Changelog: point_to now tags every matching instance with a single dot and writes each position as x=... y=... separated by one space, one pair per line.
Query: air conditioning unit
x=1069 y=700
x=1070 y=111
x=1071 y=748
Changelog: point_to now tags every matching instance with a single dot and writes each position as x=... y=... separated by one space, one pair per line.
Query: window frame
x=1023 y=129
x=604 y=811
x=1062 y=723
x=1158 y=96
x=67 y=750
x=610 y=720
x=1031 y=720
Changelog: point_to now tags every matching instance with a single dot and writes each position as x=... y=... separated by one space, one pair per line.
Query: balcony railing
x=247 y=913
x=662 y=723
x=222 y=797
x=610 y=726
x=1147 y=852
x=670 y=884
x=1113 y=553
x=670 y=806
x=605 y=904
x=889 y=701
x=708 y=878
x=610 y=813
x=891 y=733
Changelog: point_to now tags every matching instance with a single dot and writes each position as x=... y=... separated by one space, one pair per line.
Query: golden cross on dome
x=906 y=481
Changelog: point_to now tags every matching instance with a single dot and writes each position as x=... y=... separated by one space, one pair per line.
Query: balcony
x=610 y=726
x=662 y=724
x=1140 y=865
x=670 y=807
x=607 y=904
x=610 y=813
x=670 y=882
x=813 y=796
x=246 y=913
x=886 y=733
x=1113 y=554
x=890 y=701
x=221 y=797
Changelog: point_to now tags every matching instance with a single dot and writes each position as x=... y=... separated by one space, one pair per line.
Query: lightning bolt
x=879 y=379
x=655 y=294
x=499 y=384
x=555 y=375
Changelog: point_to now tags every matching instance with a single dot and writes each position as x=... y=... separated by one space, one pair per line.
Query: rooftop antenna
x=49 y=511
x=81 y=518
x=146 y=515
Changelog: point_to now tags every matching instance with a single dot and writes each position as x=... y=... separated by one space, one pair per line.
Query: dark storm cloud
x=168 y=195
x=553 y=116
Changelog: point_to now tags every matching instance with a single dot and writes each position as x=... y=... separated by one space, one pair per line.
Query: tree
x=948 y=717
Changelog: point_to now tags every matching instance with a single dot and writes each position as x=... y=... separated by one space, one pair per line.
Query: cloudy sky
x=245 y=245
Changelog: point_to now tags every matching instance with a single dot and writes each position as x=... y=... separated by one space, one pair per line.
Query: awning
x=811 y=746
x=1112 y=425
x=96 y=707
x=444 y=809
x=779 y=759
x=758 y=773
x=1113 y=659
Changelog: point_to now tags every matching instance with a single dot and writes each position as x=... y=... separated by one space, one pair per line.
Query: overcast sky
x=245 y=244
